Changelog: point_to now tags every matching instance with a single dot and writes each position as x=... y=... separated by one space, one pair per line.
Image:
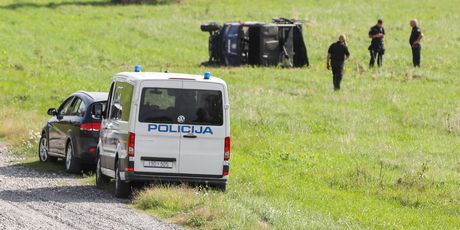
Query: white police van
x=164 y=127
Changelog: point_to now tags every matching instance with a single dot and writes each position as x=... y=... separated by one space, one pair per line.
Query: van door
x=157 y=143
x=202 y=147
x=116 y=126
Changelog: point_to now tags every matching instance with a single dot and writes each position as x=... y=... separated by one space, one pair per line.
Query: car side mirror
x=52 y=112
x=97 y=111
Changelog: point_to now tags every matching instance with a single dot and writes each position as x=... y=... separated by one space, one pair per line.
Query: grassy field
x=382 y=153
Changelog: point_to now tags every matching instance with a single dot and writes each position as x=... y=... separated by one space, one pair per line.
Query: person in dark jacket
x=376 y=49
x=336 y=56
x=414 y=41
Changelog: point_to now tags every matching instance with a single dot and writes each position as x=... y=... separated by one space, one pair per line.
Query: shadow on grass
x=53 y=5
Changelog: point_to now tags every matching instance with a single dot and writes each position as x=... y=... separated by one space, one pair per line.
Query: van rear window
x=181 y=106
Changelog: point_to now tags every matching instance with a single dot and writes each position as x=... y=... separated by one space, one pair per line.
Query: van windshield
x=181 y=106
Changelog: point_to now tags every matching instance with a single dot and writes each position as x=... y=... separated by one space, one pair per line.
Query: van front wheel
x=122 y=188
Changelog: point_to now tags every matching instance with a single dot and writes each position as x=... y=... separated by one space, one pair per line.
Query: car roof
x=141 y=76
x=95 y=96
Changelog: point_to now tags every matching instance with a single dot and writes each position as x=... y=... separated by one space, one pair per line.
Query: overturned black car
x=254 y=43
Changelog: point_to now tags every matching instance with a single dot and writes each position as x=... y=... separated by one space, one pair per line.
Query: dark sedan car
x=73 y=131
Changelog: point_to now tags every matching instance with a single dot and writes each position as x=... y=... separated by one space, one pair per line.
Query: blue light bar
x=137 y=68
x=207 y=75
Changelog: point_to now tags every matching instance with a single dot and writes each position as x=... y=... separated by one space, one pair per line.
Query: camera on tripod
x=254 y=43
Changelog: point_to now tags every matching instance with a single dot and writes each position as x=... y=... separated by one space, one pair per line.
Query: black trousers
x=337 y=73
x=376 y=54
x=416 y=55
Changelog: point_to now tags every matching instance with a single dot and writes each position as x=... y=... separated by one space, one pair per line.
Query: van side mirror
x=52 y=112
x=97 y=111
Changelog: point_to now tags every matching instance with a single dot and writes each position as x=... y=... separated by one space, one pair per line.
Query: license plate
x=158 y=164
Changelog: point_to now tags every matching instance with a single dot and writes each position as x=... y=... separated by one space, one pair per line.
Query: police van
x=164 y=127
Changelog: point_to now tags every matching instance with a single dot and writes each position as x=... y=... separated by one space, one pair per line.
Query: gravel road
x=30 y=199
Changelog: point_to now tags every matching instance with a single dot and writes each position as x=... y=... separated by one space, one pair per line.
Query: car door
x=157 y=143
x=56 y=124
x=116 y=125
x=65 y=125
x=202 y=149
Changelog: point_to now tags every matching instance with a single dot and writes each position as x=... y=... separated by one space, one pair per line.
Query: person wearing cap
x=414 y=41
x=376 y=49
x=336 y=56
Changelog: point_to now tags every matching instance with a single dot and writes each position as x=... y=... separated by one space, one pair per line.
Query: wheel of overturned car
x=72 y=164
x=43 y=150
x=101 y=179
x=208 y=27
x=122 y=188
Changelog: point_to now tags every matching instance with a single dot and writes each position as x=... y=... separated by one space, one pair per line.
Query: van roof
x=141 y=76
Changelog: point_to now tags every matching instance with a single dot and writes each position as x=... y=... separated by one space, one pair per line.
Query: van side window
x=198 y=107
x=109 y=102
x=115 y=106
x=120 y=107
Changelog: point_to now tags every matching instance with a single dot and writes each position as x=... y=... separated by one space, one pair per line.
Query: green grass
x=382 y=153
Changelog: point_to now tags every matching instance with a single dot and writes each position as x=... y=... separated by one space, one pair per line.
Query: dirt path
x=30 y=199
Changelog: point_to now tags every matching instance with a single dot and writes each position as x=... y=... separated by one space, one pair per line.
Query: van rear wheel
x=101 y=179
x=122 y=188
x=221 y=187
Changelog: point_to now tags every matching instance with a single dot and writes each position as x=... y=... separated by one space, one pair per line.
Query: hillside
x=382 y=153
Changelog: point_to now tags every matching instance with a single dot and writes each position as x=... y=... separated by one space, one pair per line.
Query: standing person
x=376 y=49
x=414 y=40
x=336 y=56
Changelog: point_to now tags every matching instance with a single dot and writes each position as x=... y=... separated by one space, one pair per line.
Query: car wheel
x=43 y=150
x=72 y=164
x=122 y=189
x=101 y=179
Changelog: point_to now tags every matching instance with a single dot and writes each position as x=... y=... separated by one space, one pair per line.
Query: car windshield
x=177 y=106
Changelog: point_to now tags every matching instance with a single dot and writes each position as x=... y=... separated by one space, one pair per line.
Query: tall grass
x=381 y=153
